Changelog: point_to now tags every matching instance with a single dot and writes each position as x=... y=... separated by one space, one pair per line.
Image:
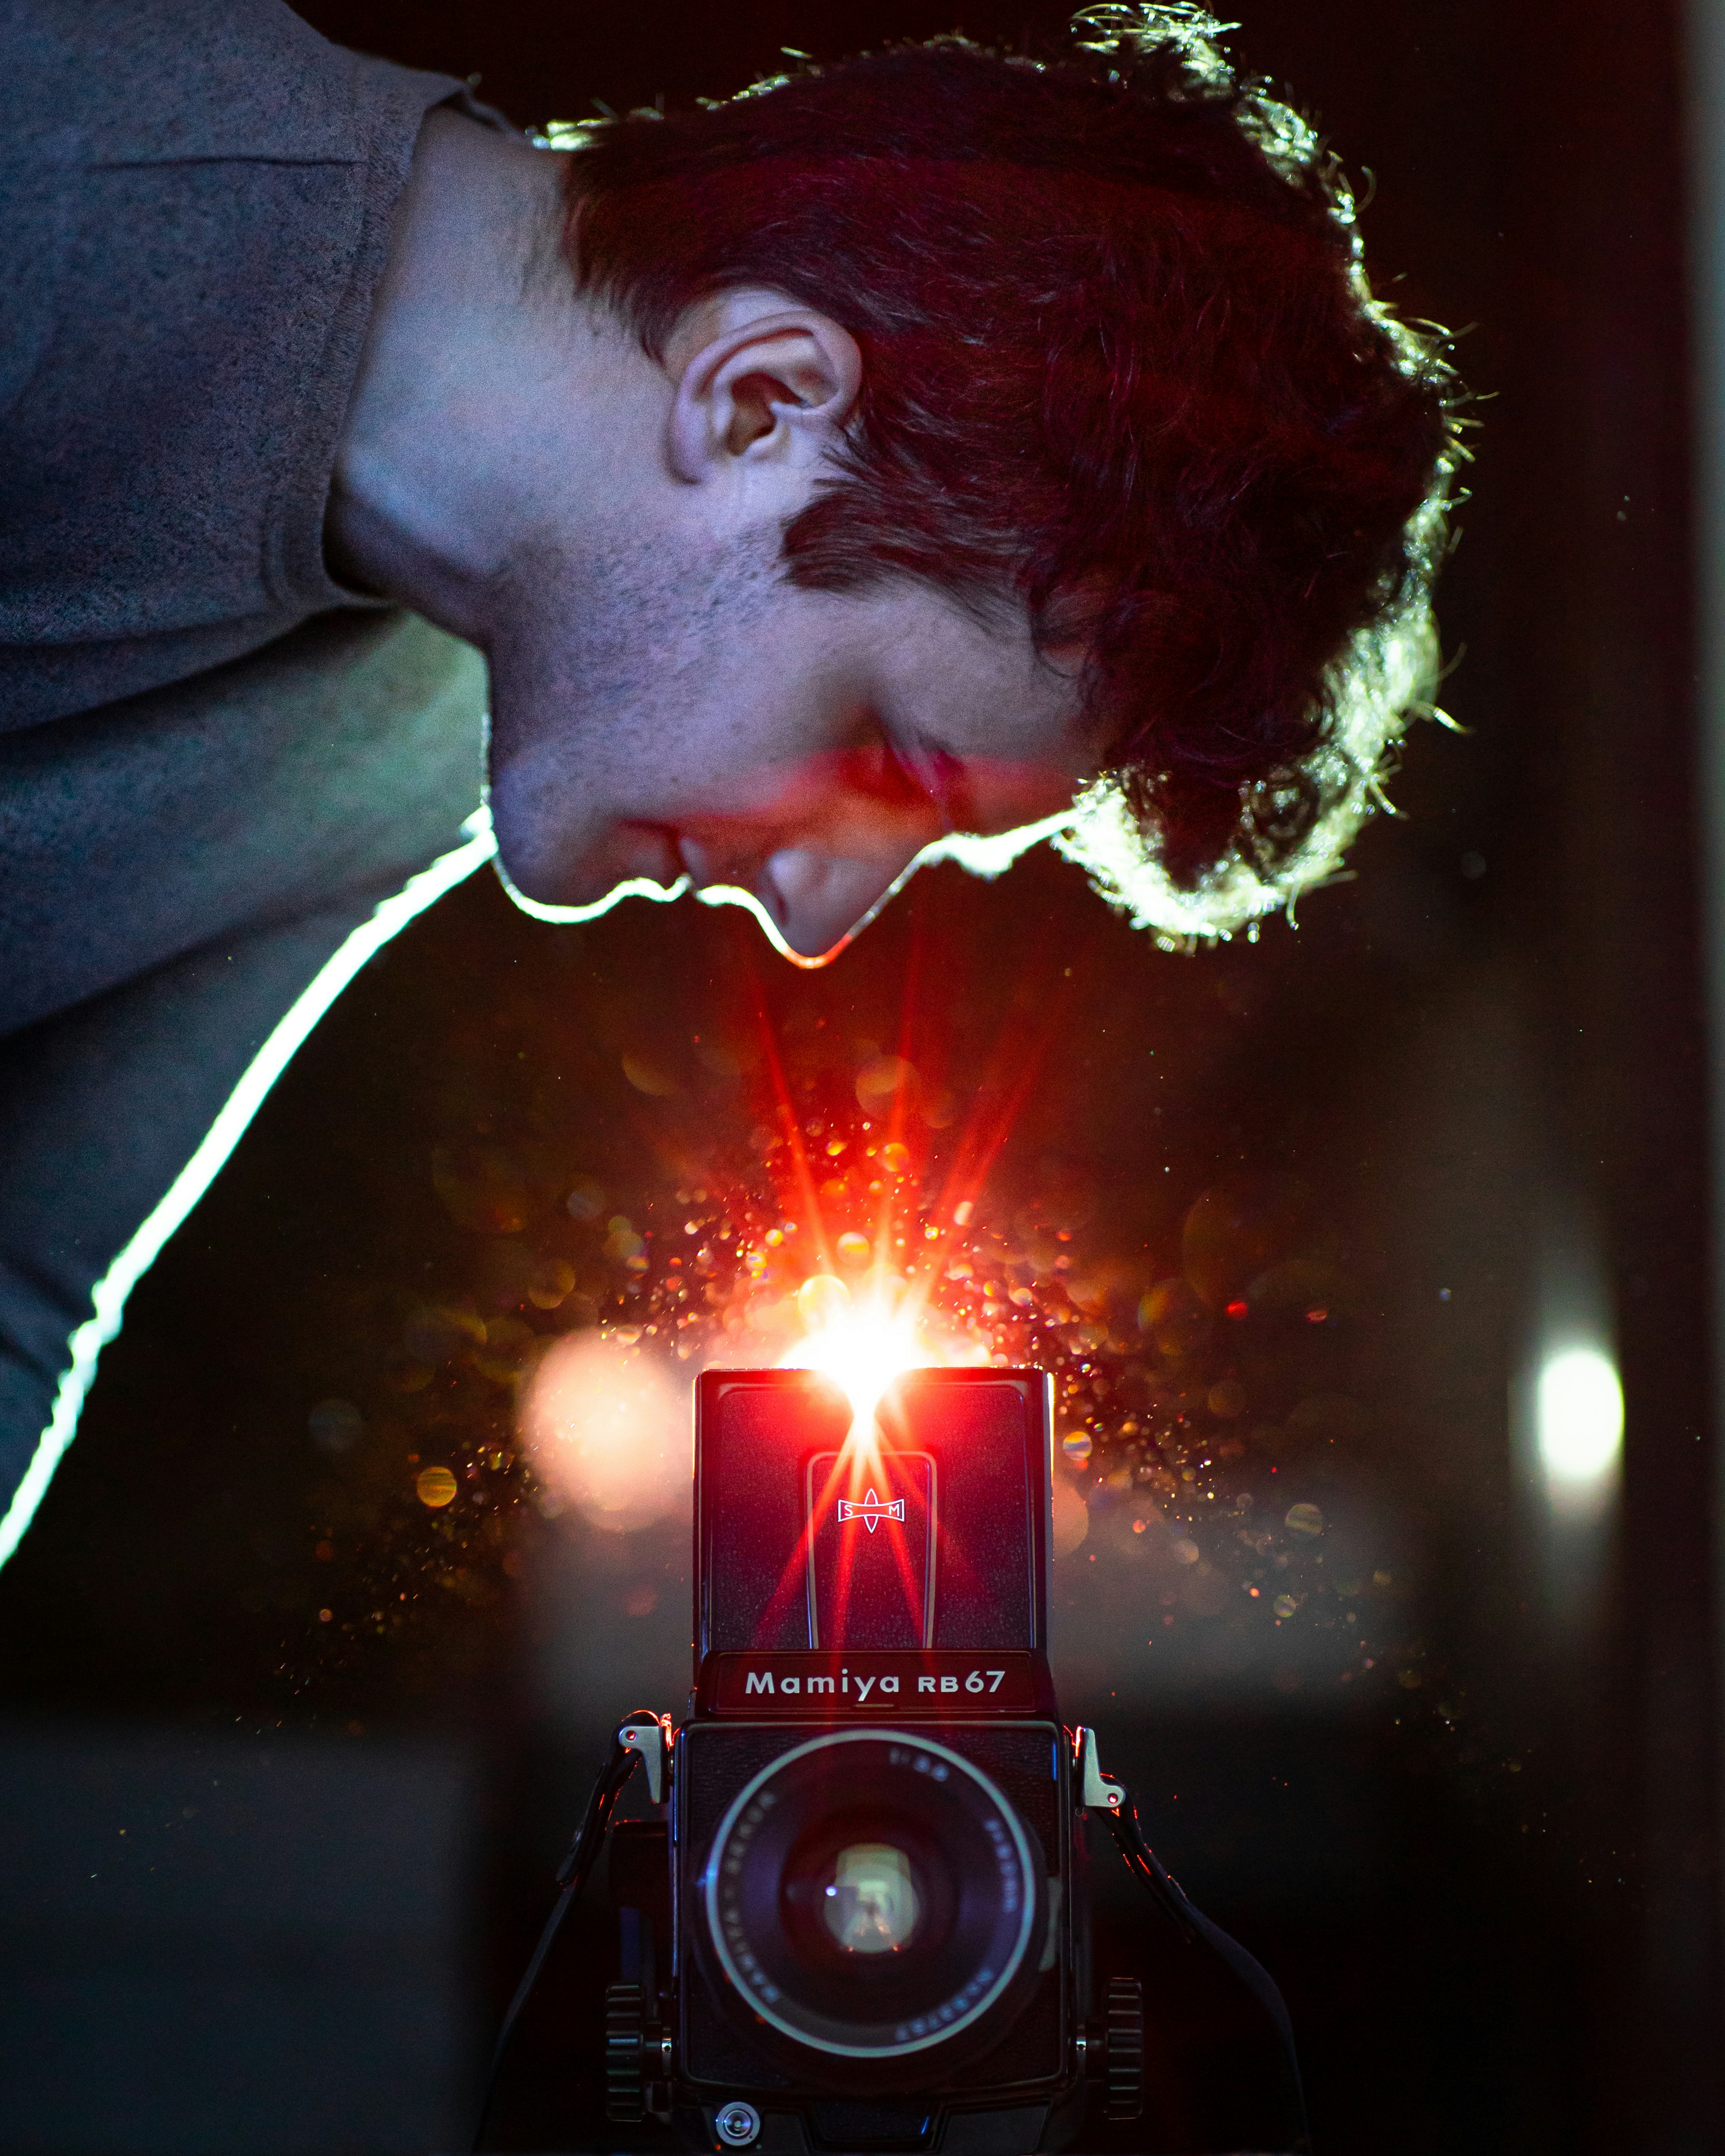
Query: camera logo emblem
x=872 y=1510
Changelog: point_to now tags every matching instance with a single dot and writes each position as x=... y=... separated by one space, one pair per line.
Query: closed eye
x=928 y=773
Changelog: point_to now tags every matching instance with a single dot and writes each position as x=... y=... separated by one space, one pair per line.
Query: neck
x=476 y=370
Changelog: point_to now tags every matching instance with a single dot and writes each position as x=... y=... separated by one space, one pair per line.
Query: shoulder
x=120 y=82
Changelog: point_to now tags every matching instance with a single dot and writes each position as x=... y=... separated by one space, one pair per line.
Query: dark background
x=1483 y=1867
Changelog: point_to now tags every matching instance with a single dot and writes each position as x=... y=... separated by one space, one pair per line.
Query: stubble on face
x=606 y=650
x=668 y=702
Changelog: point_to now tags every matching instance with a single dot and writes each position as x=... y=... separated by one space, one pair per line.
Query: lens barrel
x=872 y=1896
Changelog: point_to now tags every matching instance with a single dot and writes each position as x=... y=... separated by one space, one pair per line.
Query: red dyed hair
x=1122 y=367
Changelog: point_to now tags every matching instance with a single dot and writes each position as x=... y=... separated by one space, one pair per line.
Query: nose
x=821 y=900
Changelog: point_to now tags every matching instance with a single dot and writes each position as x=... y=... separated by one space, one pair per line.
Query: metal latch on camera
x=650 y=1736
x=1096 y=1791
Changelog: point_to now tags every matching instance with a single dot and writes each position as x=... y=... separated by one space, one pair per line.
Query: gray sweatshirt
x=215 y=761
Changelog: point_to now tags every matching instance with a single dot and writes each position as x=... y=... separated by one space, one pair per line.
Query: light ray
x=793 y=1130
x=862 y=1350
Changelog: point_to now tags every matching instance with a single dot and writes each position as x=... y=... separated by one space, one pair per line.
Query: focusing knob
x=1123 y=2048
x=626 y=2039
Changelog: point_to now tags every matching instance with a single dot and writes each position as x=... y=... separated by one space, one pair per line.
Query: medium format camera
x=857 y=1920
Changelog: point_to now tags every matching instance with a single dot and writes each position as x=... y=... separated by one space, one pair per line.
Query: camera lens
x=871 y=1904
x=873 y=1896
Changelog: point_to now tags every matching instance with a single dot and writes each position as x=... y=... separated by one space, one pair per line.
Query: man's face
x=673 y=707
x=606 y=523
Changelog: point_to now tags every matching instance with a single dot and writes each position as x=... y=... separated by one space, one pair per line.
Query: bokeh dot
x=436 y=1487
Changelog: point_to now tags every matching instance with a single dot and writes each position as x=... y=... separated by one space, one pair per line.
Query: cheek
x=739 y=733
x=749 y=775
x=856 y=802
x=1008 y=793
x=639 y=646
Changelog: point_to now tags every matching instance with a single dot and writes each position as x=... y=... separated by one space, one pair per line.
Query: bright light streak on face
x=607 y=1431
x=1579 y=1418
x=985 y=857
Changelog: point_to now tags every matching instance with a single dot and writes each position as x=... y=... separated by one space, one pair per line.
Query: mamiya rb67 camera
x=858 y=1920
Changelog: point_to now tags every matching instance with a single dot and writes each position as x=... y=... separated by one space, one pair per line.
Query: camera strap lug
x=650 y=1736
x=1096 y=1791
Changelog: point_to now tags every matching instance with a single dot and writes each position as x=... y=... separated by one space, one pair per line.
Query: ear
x=769 y=386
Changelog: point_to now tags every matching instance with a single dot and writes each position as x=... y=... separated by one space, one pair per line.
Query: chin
x=550 y=870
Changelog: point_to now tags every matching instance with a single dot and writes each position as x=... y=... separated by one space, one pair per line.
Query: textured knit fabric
x=214 y=760
x=195 y=211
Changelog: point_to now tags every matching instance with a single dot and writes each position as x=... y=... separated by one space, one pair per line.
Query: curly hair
x=1122 y=367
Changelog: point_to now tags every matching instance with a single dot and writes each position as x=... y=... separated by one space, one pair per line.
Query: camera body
x=876 y=1916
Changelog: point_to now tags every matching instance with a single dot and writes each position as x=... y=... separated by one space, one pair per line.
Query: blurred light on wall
x=1568 y=1410
x=608 y=1429
x=1579 y=1406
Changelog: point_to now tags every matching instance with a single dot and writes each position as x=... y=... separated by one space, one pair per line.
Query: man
x=936 y=450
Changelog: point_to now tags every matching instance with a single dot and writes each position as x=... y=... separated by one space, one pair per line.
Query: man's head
x=667 y=702
x=1019 y=431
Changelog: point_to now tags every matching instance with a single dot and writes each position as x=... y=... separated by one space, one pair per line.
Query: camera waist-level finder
x=859 y=1922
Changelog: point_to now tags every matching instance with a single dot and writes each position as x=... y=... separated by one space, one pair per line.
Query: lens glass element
x=871 y=1903
x=874 y=1896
